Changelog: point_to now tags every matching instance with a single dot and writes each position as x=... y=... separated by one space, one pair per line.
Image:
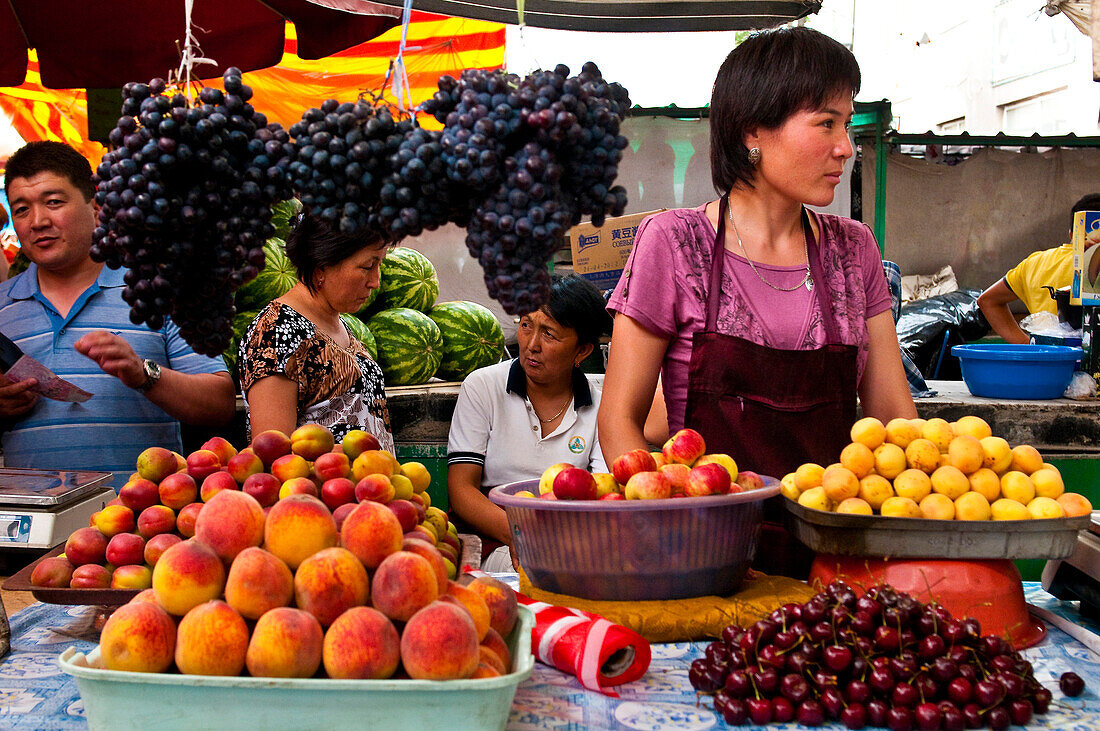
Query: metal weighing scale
x=1077 y=578
x=40 y=508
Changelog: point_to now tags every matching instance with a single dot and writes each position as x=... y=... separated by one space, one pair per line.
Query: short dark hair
x=314 y=244
x=763 y=81
x=575 y=302
x=1090 y=202
x=48 y=156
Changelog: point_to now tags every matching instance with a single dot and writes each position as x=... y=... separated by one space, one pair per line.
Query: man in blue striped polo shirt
x=67 y=312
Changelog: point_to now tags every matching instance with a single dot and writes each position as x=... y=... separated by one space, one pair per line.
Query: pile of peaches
x=681 y=469
x=917 y=468
x=160 y=503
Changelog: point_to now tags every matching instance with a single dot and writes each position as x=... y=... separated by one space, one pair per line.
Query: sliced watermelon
x=410 y=345
x=361 y=333
x=408 y=280
x=274 y=280
x=472 y=338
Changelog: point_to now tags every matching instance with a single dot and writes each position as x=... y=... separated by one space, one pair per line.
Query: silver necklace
x=807 y=280
x=547 y=421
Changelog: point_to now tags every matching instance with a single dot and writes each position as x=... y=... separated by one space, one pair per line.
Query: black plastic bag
x=928 y=328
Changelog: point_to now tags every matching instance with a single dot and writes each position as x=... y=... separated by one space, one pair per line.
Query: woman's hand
x=634 y=363
x=884 y=390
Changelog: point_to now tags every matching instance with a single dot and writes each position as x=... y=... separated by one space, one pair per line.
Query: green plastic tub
x=117 y=700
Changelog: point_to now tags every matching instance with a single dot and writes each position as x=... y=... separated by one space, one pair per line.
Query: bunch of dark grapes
x=185 y=200
x=415 y=196
x=881 y=659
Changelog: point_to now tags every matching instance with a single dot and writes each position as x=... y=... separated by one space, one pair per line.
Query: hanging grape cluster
x=185 y=198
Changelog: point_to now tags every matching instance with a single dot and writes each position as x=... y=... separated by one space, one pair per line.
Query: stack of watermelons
x=401 y=326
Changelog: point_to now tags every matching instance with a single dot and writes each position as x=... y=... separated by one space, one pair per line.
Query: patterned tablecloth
x=35 y=694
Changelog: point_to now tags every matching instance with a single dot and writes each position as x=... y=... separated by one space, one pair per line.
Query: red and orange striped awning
x=435 y=45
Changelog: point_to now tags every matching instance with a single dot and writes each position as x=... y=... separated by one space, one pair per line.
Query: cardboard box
x=1085 y=287
x=599 y=254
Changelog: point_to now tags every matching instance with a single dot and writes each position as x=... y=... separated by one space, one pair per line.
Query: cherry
x=880 y=662
x=863 y=623
x=810 y=713
x=973 y=715
x=765 y=630
x=738 y=684
x=731 y=635
x=860 y=666
x=833 y=701
x=903 y=667
x=854 y=716
x=892 y=617
x=988 y=692
x=737 y=660
x=813 y=611
x=905 y=695
x=766 y=679
x=811 y=651
x=960 y=690
x=734 y=711
x=792 y=612
x=857 y=691
x=785 y=640
x=770 y=656
x=821 y=631
x=782 y=710
x=992 y=646
x=969 y=672
x=928 y=717
x=747 y=643
x=1041 y=700
x=800 y=628
x=952 y=631
x=837 y=657
x=1004 y=663
x=699 y=676
x=760 y=710
x=926 y=687
x=796 y=662
x=1071 y=684
x=943 y=669
x=953 y=719
x=971 y=630
x=836 y=588
x=876 y=712
x=907 y=637
x=899 y=719
x=886 y=639
x=868 y=604
x=794 y=688
x=927 y=623
x=1020 y=711
x=998 y=718
x=931 y=647
x=717 y=650
x=1012 y=683
x=881 y=680
x=823 y=679
x=841 y=616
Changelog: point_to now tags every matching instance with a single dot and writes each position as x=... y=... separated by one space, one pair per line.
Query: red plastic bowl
x=635 y=549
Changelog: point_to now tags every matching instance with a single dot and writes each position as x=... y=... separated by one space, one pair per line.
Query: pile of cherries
x=881 y=659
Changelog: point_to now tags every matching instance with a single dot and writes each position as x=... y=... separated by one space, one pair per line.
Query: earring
x=754 y=156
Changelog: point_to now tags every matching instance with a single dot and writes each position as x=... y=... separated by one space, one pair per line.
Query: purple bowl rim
x=502 y=495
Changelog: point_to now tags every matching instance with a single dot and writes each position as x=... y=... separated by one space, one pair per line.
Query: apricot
x=913 y=484
x=923 y=455
x=788 y=488
x=1026 y=459
x=418 y=474
x=874 y=489
x=132 y=576
x=230 y=522
x=966 y=453
x=1074 y=504
x=156 y=463
x=362 y=643
x=972 y=426
x=187 y=574
x=402 y=487
x=986 y=482
x=858 y=458
x=373 y=461
x=1048 y=483
x=901 y=431
x=839 y=483
x=371 y=532
x=1017 y=486
x=869 y=432
x=298 y=527
x=186 y=519
x=1009 y=509
x=939 y=432
x=815 y=499
x=114 y=519
x=439 y=642
x=900 y=507
x=258 y=582
x=311 y=441
x=1045 y=507
x=330 y=582
x=972 y=506
x=937 y=506
x=854 y=506
x=138 y=637
x=501 y=600
x=808 y=475
x=889 y=460
x=155 y=520
x=285 y=643
x=950 y=481
x=998 y=455
x=211 y=639
x=403 y=584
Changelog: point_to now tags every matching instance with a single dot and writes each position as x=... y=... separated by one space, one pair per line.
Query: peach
x=264 y=487
x=156 y=519
x=433 y=555
x=145 y=595
x=685 y=446
x=374 y=487
x=439 y=642
x=496 y=643
x=221 y=447
x=1074 y=504
x=156 y=463
x=258 y=582
x=868 y=431
x=139 y=494
x=484 y=670
x=90 y=576
x=357 y=441
x=178 y=489
x=298 y=527
x=372 y=461
x=214 y=483
x=418 y=474
x=337 y=491
x=501 y=601
x=707 y=479
x=574 y=483
x=489 y=657
x=243 y=465
x=125 y=549
x=330 y=465
x=201 y=463
x=188 y=516
x=290 y=466
x=372 y=532
x=546 y=479
x=229 y=523
x=403 y=583
x=181 y=463
x=341 y=513
x=212 y=639
x=157 y=545
x=114 y=519
x=132 y=576
x=330 y=582
x=86 y=545
x=475 y=605
x=406 y=512
x=311 y=441
x=361 y=643
x=270 y=445
x=298 y=486
x=647 y=486
x=630 y=463
x=54 y=572
x=187 y=574
x=286 y=643
x=138 y=637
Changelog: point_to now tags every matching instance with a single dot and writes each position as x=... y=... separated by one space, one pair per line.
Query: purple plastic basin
x=635 y=549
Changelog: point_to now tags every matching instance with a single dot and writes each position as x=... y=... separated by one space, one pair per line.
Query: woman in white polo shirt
x=515 y=419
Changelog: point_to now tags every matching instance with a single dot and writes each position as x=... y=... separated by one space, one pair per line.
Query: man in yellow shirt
x=1025 y=282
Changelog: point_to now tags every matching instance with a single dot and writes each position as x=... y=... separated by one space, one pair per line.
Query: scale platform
x=40 y=508
x=1077 y=578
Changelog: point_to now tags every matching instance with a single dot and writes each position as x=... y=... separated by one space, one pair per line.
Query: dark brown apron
x=772 y=410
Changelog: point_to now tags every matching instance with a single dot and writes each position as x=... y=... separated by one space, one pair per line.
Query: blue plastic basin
x=1017 y=371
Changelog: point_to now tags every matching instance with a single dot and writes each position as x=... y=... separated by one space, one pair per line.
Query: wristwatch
x=152 y=375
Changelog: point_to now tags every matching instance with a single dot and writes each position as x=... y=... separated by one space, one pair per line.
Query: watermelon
x=362 y=333
x=274 y=280
x=408 y=280
x=472 y=338
x=410 y=345
x=283 y=214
